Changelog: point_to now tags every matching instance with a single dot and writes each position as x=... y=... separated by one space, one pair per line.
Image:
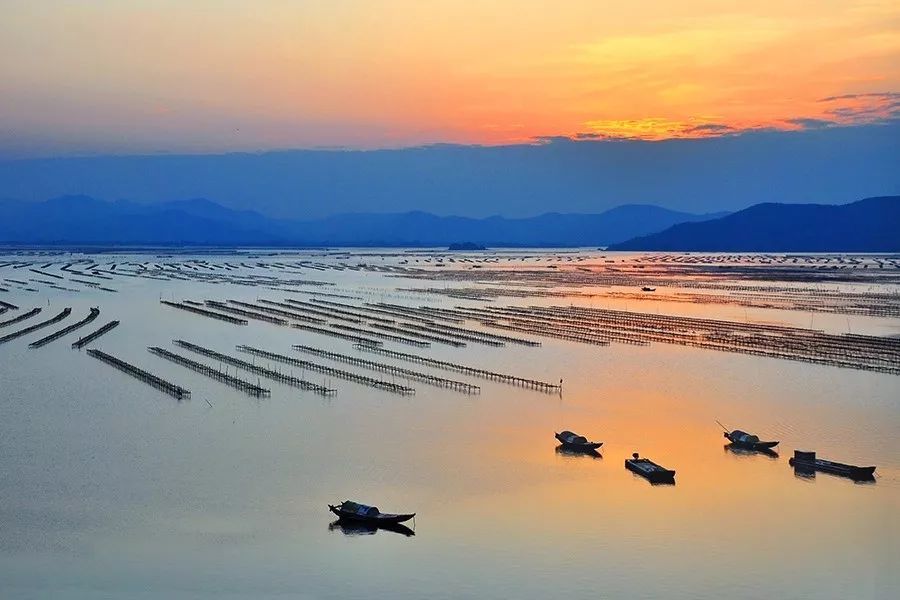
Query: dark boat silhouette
x=808 y=464
x=573 y=441
x=355 y=528
x=649 y=470
x=742 y=439
x=353 y=511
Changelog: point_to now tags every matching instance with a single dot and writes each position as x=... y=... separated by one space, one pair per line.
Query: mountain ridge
x=866 y=225
x=84 y=219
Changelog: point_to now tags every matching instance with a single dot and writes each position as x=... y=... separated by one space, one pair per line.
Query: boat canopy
x=743 y=437
x=359 y=509
x=573 y=438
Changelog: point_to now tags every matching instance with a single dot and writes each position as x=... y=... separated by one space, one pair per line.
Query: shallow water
x=111 y=489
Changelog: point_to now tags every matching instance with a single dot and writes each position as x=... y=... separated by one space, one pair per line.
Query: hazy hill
x=870 y=225
x=81 y=219
x=551 y=229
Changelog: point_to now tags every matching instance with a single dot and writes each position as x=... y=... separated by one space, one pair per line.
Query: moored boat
x=807 y=461
x=649 y=470
x=573 y=441
x=354 y=511
x=748 y=441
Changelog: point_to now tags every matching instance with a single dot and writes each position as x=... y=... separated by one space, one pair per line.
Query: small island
x=466 y=246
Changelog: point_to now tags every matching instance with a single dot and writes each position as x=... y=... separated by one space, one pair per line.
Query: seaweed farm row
x=20 y=318
x=217 y=374
x=11 y=336
x=459 y=386
x=206 y=313
x=379 y=317
x=148 y=378
x=84 y=341
x=467 y=370
x=93 y=314
x=256 y=369
x=871 y=353
x=381 y=384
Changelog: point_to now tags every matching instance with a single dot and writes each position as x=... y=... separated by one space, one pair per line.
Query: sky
x=212 y=76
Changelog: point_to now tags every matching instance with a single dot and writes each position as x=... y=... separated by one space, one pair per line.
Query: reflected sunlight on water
x=112 y=489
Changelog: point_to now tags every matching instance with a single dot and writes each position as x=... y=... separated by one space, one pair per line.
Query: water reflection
x=739 y=451
x=654 y=481
x=569 y=452
x=809 y=474
x=356 y=528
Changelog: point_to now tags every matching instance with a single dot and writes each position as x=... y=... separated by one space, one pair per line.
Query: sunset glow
x=221 y=75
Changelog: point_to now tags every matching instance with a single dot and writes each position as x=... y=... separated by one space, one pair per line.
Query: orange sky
x=229 y=74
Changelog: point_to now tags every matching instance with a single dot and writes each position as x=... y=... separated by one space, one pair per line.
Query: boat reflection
x=357 y=528
x=806 y=473
x=570 y=452
x=739 y=451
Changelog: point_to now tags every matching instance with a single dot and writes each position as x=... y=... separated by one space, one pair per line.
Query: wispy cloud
x=810 y=122
x=855 y=109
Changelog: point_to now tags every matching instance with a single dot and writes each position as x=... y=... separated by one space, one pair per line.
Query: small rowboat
x=573 y=441
x=647 y=288
x=741 y=439
x=807 y=461
x=353 y=511
x=648 y=469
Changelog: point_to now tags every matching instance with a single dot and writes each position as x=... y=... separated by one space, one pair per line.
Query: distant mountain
x=870 y=225
x=551 y=229
x=81 y=219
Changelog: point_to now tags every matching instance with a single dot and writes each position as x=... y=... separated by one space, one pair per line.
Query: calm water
x=111 y=489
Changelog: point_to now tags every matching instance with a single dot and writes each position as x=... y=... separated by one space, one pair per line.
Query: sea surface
x=111 y=489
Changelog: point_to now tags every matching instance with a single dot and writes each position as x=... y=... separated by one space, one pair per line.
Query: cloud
x=553 y=139
x=711 y=129
x=882 y=95
x=861 y=109
x=810 y=122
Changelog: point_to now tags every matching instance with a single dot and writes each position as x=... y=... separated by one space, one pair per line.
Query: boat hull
x=755 y=446
x=577 y=446
x=588 y=447
x=834 y=468
x=650 y=471
x=380 y=518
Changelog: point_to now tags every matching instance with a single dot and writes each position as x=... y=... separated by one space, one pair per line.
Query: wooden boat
x=573 y=441
x=647 y=288
x=807 y=461
x=648 y=469
x=741 y=439
x=353 y=511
